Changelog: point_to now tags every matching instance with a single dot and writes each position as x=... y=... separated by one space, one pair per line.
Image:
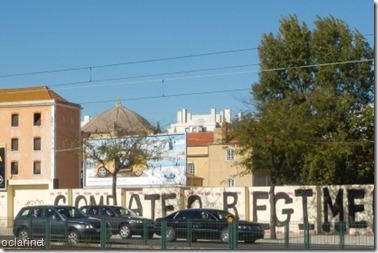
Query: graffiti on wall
x=34 y=202
x=293 y=204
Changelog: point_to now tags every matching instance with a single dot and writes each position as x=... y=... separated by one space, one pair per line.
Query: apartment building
x=40 y=136
x=188 y=122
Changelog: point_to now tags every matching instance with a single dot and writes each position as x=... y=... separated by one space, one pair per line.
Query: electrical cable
x=128 y=63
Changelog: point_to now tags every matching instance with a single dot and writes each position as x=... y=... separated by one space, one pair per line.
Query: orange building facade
x=40 y=131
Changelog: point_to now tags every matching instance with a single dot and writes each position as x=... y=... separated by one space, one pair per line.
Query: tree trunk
x=272 y=201
x=114 y=188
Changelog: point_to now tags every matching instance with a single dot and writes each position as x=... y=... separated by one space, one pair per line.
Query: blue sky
x=156 y=56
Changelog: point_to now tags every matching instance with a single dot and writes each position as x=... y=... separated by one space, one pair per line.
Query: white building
x=186 y=122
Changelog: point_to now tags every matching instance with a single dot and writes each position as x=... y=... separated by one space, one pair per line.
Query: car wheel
x=224 y=235
x=138 y=173
x=73 y=237
x=125 y=231
x=171 y=234
x=102 y=172
x=23 y=234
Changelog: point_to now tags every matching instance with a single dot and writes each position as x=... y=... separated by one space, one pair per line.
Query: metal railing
x=288 y=237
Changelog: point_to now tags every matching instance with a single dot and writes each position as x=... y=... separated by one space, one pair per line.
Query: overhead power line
x=164 y=95
x=91 y=82
x=90 y=68
x=157 y=74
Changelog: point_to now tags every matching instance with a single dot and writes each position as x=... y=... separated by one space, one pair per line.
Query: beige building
x=213 y=160
x=40 y=131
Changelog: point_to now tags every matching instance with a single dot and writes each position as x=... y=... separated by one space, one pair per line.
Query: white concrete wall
x=3 y=209
x=27 y=197
x=294 y=204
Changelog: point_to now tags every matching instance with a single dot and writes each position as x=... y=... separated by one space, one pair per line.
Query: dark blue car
x=66 y=223
x=206 y=223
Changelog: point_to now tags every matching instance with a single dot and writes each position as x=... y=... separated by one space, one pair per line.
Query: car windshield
x=71 y=212
x=124 y=212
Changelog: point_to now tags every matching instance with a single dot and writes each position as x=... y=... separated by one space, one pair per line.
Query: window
x=92 y=210
x=106 y=211
x=37 y=168
x=261 y=180
x=37 y=119
x=193 y=215
x=37 y=143
x=230 y=182
x=26 y=212
x=190 y=169
x=37 y=213
x=14 y=120
x=14 y=168
x=14 y=144
x=230 y=154
x=52 y=213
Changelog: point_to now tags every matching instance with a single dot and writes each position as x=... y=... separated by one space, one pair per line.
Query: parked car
x=124 y=221
x=67 y=221
x=102 y=170
x=207 y=223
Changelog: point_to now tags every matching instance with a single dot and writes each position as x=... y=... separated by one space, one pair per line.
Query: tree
x=270 y=144
x=312 y=122
x=122 y=151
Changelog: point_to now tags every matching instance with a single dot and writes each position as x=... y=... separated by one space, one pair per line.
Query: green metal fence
x=288 y=237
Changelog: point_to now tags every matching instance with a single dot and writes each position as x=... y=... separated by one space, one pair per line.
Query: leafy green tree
x=313 y=121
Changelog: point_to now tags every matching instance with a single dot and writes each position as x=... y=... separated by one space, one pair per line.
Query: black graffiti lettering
x=353 y=208
x=232 y=205
x=92 y=201
x=108 y=198
x=287 y=211
x=80 y=198
x=336 y=208
x=192 y=199
x=153 y=198
x=304 y=193
x=164 y=206
x=139 y=208
x=58 y=199
x=256 y=196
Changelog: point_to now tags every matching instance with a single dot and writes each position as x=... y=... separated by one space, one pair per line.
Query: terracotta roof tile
x=29 y=94
x=201 y=138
